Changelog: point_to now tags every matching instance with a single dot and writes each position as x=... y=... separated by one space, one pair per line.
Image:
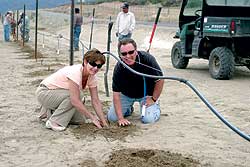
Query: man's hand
x=123 y=122
x=149 y=101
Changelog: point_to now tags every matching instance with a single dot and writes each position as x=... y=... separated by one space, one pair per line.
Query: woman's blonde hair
x=94 y=55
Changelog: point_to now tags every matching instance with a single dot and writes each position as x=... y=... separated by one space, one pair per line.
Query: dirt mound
x=149 y=158
x=113 y=132
x=145 y=158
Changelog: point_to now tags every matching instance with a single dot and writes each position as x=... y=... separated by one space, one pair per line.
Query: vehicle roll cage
x=213 y=11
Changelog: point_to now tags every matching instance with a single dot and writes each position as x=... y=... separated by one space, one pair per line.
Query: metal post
x=24 y=20
x=71 y=62
x=107 y=64
x=82 y=49
x=81 y=7
x=13 y=32
x=36 y=30
x=92 y=25
x=17 y=18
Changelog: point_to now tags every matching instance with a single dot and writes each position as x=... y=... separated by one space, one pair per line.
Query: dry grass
x=143 y=13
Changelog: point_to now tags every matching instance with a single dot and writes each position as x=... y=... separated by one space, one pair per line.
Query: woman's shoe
x=43 y=117
x=54 y=126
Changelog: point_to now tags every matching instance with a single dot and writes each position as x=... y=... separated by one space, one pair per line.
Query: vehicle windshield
x=192 y=6
x=229 y=2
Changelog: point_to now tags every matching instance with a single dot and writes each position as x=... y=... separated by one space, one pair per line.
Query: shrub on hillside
x=162 y=2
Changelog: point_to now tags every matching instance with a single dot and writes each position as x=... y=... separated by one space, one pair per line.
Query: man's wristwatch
x=153 y=98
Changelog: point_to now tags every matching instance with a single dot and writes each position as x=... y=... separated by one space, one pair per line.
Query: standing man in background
x=78 y=20
x=125 y=23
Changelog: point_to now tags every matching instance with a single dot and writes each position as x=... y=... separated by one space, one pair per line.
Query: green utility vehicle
x=216 y=30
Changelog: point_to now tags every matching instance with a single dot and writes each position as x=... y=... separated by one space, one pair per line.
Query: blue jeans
x=77 y=32
x=121 y=37
x=7 y=32
x=152 y=112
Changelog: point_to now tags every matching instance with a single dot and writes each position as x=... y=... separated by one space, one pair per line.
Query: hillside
x=6 y=5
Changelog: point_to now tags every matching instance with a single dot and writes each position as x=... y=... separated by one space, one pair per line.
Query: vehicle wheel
x=221 y=63
x=178 y=61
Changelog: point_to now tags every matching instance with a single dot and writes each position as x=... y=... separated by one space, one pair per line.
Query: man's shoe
x=132 y=109
x=54 y=127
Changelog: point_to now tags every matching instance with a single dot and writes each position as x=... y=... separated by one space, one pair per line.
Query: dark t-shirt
x=132 y=85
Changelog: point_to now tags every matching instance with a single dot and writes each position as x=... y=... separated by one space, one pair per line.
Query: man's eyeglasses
x=129 y=52
x=93 y=64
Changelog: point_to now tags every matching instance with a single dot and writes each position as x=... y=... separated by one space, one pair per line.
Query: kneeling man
x=129 y=87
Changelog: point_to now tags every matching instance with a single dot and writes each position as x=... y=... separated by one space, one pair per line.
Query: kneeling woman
x=59 y=94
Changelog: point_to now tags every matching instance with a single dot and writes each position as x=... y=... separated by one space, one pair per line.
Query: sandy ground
x=186 y=126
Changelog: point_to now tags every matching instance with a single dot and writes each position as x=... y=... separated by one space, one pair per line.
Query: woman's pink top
x=60 y=79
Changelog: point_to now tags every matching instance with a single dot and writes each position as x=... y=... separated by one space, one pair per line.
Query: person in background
x=125 y=23
x=24 y=30
x=78 y=20
x=1 y=17
x=129 y=87
x=6 y=24
x=59 y=94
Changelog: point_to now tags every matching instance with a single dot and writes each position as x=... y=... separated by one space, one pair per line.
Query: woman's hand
x=97 y=123
x=104 y=123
